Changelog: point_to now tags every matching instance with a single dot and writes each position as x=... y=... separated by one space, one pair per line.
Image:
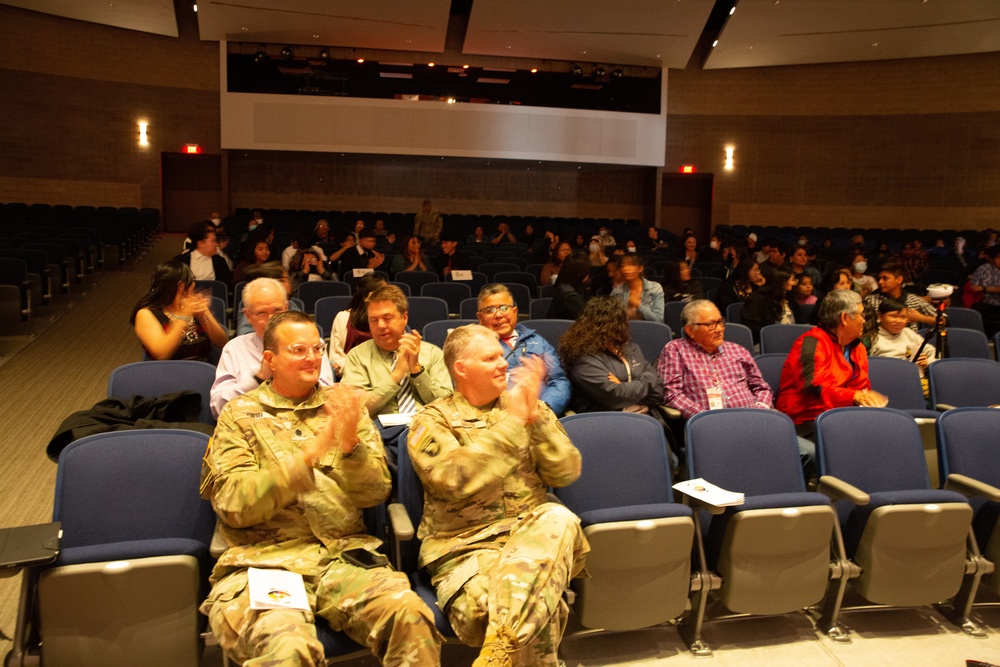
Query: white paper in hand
x=276 y=589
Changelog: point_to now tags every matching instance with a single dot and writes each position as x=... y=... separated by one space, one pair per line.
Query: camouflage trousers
x=373 y=607
x=517 y=582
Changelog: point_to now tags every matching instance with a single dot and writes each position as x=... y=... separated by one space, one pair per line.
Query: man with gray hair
x=241 y=367
x=827 y=366
x=499 y=553
x=703 y=372
x=497 y=311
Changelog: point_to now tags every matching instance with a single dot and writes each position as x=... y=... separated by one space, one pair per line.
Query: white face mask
x=604 y=232
x=714 y=245
x=802 y=242
x=860 y=267
x=594 y=247
x=631 y=249
x=216 y=221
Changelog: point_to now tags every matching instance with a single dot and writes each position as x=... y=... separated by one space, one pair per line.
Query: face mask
x=252 y=226
x=861 y=267
x=604 y=232
x=594 y=247
x=631 y=249
x=714 y=245
x=216 y=221
x=803 y=241
x=761 y=257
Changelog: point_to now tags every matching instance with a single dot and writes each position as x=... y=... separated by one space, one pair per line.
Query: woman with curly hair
x=606 y=369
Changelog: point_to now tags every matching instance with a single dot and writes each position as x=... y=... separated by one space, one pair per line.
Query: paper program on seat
x=709 y=493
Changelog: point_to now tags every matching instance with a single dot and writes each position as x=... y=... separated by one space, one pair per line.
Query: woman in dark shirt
x=570 y=290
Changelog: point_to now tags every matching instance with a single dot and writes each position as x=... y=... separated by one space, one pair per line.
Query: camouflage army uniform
x=500 y=555
x=277 y=513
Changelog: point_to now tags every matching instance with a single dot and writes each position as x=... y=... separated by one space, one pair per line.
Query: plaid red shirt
x=687 y=370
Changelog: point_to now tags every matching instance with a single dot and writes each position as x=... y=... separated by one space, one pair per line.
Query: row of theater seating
x=46 y=250
x=880 y=527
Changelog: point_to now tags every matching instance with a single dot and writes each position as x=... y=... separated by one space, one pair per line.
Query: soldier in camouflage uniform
x=500 y=555
x=288 y=470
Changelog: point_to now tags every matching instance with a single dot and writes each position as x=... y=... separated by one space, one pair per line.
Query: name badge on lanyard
x=714 y=398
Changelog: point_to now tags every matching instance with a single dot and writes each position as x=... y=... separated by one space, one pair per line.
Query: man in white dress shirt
x=241 y=367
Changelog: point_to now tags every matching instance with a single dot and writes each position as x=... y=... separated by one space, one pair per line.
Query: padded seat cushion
x=634 y=513
x=854 y=527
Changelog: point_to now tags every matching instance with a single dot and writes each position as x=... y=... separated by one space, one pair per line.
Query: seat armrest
x=399 y=519
x=696 y=504
x=943 y=407
x=969 y=486
x=837 y=489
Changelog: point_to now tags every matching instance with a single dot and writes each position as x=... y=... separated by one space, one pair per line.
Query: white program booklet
x=461 y=275
x=276 y=589
x=395 y=419
x=709 y=493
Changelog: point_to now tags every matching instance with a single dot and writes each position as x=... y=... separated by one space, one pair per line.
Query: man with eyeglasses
x=498 y=312
x=288 y=471
x=242 y=367
x=702 y=372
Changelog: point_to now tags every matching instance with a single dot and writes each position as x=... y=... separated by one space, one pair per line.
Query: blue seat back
x=650 y=337
x=964 y=382
x=156 y=378
x=424 y=309
x=779 y=338
x=436 y=333
x=898 y=379
x=327 y=309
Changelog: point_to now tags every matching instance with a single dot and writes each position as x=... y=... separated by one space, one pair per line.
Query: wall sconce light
x=600 y=72
x=729 y=157
x=143 y=137
x=286 y=52
x=260 y=57
x=617 y=74
x=576 y=70
x=324 y=54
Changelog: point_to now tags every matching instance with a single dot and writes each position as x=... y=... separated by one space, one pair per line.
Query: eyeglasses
x=301 y=351
x=267 y=313
x=714 y=325
x=504 y=309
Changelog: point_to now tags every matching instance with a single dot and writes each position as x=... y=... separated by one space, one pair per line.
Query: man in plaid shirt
x=701 y=372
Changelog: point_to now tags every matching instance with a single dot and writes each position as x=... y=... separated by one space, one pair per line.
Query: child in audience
x=896 y=339
x=803 y=292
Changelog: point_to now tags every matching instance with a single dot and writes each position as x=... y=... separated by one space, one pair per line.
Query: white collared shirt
x=201 y=266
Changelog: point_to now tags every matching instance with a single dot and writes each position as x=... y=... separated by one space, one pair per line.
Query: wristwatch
x=420 y=369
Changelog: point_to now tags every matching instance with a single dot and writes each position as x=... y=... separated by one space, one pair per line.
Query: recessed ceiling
x=799 y=32
x=155 y=16
x=367 y=24
x=657 y=33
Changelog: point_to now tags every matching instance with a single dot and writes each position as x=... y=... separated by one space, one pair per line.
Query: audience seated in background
x=777 y=256
x=450 y=259
x=740 y=284
x=477 y=236
x=503 y=235
x=362 y=256
x=271 y=270
x=204 y=260
x=985 y=280
x=570 y=293
x=799 y=263
x=298 y=244
x=550 y=271
x=288 y=471
x=827 y=366
x=350 y=327
x=691 y=253
x=804 y=292
x=308 y=266
x=255 y=251
x=401 y=372
x=597 y=255
x=677 y=283
x=606 y=369
x=172 y=321
x=702 y=372
x=498 y=312
x=772 y=303
x=500 y=555
x=242 y=367
x=641 y=298
x=864 y=284
x=604 y=237
x=427 y=223
x=410 y=259
x=890 y=281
